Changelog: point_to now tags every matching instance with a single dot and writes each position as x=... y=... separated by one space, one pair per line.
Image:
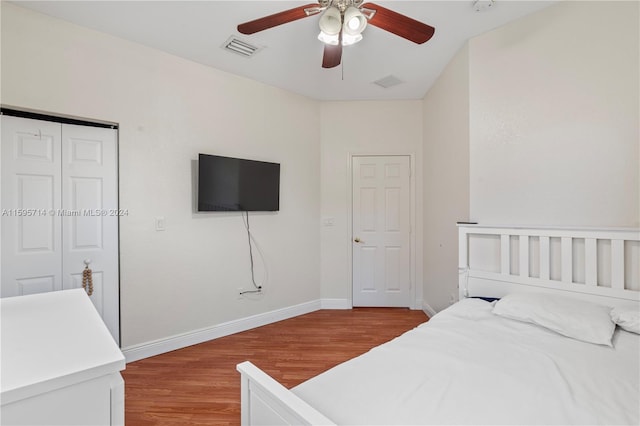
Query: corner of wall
x=446 y=178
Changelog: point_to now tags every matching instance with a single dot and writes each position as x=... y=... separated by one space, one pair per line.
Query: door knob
x=357 y=240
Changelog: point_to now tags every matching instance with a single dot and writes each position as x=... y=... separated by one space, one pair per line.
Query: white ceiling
x=291 y=56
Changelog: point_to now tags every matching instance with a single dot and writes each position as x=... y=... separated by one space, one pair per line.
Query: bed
x=545 y=332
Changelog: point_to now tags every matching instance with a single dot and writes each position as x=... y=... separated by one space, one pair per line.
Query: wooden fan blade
x=276 y=19
x=399 y=25
x=332 y=55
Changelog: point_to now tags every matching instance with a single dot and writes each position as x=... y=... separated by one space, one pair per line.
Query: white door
x=381 y=231
x=31 y=194
x=59 y=208
x=90 y=231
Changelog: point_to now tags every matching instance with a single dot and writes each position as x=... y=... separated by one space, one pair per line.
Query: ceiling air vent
x=388 y=81
x=241 y=47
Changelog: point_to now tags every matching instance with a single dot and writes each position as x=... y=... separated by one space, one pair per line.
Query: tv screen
x=236 y=184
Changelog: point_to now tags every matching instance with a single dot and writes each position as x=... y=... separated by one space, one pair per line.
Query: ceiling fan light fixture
x=331 y=21
x=342 y=22
x=348 y=39
x=332 y=39
x=354 y=21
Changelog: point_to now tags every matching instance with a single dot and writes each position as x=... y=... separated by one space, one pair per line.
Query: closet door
x=60 y=208
x=31 y=198
x=90 y=231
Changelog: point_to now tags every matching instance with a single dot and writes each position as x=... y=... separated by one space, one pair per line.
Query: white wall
x=446 y=179
x=366 y=127
x=542 y=117
x=169 y=110
x=554 y=118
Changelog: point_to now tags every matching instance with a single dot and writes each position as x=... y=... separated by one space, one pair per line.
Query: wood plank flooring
x=199 y=385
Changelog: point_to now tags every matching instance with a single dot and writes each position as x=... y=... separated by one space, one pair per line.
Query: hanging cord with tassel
x=87 y=280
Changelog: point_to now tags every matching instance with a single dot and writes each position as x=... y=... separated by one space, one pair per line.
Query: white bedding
x=469 y=366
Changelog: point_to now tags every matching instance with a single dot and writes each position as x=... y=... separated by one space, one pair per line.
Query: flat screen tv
x=236 y=184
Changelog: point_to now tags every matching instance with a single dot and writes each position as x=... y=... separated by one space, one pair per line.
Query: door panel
x=381 y=231
x=35 y=233
x=393 y=265
x=89 y=182
x=35 y=285
x=31 y=231
x=85 y=196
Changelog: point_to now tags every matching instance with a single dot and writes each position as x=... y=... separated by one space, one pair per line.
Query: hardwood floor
x=199 y=385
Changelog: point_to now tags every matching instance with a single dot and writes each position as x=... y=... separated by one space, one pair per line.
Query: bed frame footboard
x=264 y=401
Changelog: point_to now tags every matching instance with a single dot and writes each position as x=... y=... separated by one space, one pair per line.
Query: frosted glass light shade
x=348 y=39
x=331 y=39
x=331 y=21
x=354 y=21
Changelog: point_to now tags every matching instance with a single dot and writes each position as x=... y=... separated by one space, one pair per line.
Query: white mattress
x=469 y=366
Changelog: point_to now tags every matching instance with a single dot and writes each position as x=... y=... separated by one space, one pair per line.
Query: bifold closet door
x=31 y=195
x=59 y=208
x=90 y=219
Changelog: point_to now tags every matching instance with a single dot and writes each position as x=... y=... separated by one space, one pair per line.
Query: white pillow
x=570 y=317
x=627 y=319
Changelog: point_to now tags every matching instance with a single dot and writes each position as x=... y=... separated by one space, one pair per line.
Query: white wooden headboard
x=589 y=263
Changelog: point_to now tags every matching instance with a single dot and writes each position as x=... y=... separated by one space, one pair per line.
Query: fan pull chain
x=87 y=280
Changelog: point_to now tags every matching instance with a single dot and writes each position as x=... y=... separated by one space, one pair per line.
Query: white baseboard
x=157 y=347
x=428 y=309
x=335 y=304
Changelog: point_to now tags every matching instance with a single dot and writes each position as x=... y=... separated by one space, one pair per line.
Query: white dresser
x=59 y=363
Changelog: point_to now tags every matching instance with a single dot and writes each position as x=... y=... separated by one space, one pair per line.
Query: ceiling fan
x=342 y=22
